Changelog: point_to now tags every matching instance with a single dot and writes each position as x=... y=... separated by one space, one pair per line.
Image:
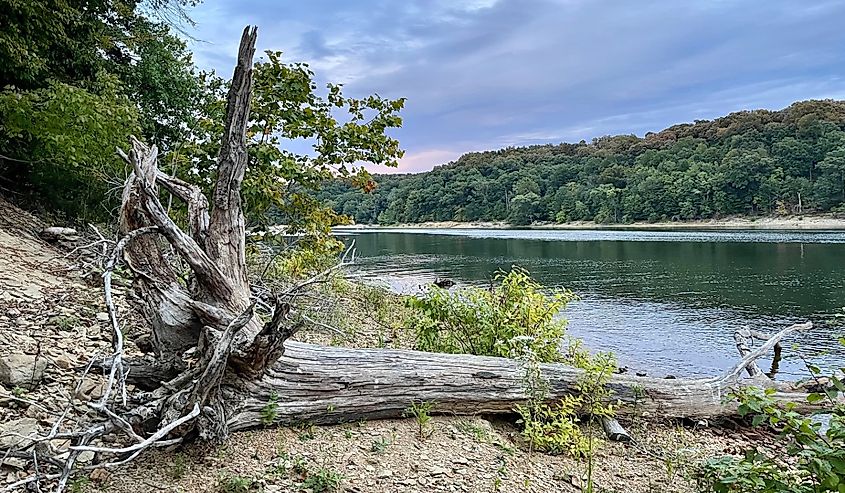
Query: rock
x=15 y=463
x=384 y=474
x=90 y=389
x=99 y=475
x=437 y=471
x=85 y=456
x=57 y=233
x=103 y=316
x=14 y=433
x=63 y=362
x=22 y=370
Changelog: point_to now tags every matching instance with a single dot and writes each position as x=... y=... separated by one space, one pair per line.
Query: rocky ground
x=52 y=323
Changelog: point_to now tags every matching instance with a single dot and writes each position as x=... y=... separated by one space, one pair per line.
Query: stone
x=384 y=474
x=85 y=456
x=22 y=370
x=13 y=434
x=438 y=471
x=15 y=463
x=103 y=317
x=99 y=475
x=90 y=389
x=63 y=362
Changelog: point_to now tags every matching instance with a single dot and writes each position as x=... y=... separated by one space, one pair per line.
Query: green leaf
x=815 y=398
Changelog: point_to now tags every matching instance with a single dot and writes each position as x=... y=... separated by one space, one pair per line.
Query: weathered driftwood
x=330 y=385
x=614 y=430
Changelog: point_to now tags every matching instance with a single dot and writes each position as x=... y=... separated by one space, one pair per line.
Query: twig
x=161 y=433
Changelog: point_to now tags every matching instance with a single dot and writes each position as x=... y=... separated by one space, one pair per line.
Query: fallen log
x=328 y=385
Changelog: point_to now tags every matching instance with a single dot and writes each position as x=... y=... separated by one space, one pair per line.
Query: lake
x=665 y=302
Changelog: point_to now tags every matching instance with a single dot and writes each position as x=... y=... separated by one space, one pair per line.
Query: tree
x=91 y=73
x=686 y=172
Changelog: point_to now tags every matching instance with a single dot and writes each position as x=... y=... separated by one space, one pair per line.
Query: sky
x=486 y=74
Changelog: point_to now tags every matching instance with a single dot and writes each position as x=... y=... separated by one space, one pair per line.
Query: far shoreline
x=792 y=223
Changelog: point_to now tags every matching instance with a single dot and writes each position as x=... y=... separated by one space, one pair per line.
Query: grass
x=422 y=413
x=233 y=483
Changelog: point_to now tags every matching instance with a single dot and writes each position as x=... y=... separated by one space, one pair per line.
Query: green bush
x=61 y=140
x=816 y=457
x=490 y=321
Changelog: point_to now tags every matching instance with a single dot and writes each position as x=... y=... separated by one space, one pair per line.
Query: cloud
x=416 y=161
x=485 y=74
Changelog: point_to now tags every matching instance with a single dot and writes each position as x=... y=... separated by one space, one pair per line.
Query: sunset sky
x=486 y=74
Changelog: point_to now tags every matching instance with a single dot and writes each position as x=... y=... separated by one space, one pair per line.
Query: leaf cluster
x=815 y=461
x=515 y=310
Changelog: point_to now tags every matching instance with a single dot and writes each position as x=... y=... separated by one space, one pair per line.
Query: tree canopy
x=77 y=78
x=758 y=162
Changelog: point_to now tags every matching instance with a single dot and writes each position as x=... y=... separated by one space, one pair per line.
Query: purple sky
x=486 y=74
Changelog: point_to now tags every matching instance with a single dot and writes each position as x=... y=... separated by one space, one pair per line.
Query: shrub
x=488 y=321
x=62 y=140
x=816 y=457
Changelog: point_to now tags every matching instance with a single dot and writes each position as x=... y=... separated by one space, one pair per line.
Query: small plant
x=67 y=323
x=79 y=484
x=556 y=429
x=480 y=433
x=232 y=483
x=380 y=446
x=307 y=431
x=270 y=411
x=501 y=475
x=19 y=391
x=323 y=480
x=422 y=413
x=816 y=456
x=177 y=467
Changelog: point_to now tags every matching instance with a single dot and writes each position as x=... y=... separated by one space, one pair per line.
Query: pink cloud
x=418 y=161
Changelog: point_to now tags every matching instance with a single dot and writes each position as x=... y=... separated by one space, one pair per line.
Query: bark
x=328 y=385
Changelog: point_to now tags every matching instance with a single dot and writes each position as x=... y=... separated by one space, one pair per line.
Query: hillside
x=758 y=162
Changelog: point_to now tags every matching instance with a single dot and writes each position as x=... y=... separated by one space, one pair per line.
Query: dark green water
x=664 y=302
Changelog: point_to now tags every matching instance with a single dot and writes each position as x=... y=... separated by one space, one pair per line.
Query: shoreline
x=793 y=223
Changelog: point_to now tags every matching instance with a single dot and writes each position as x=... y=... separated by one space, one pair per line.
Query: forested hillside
x=747 y=163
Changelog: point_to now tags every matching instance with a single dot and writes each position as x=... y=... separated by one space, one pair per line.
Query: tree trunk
x=328 y=385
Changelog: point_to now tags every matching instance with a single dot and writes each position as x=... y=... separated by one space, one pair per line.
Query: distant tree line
x=747 y=163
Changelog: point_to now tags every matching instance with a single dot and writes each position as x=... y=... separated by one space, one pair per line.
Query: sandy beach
x=807 y=222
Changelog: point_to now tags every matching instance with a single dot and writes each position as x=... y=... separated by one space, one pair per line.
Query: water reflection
x=668 y=301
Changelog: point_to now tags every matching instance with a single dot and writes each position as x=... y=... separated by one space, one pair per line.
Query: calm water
x=664 y=302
